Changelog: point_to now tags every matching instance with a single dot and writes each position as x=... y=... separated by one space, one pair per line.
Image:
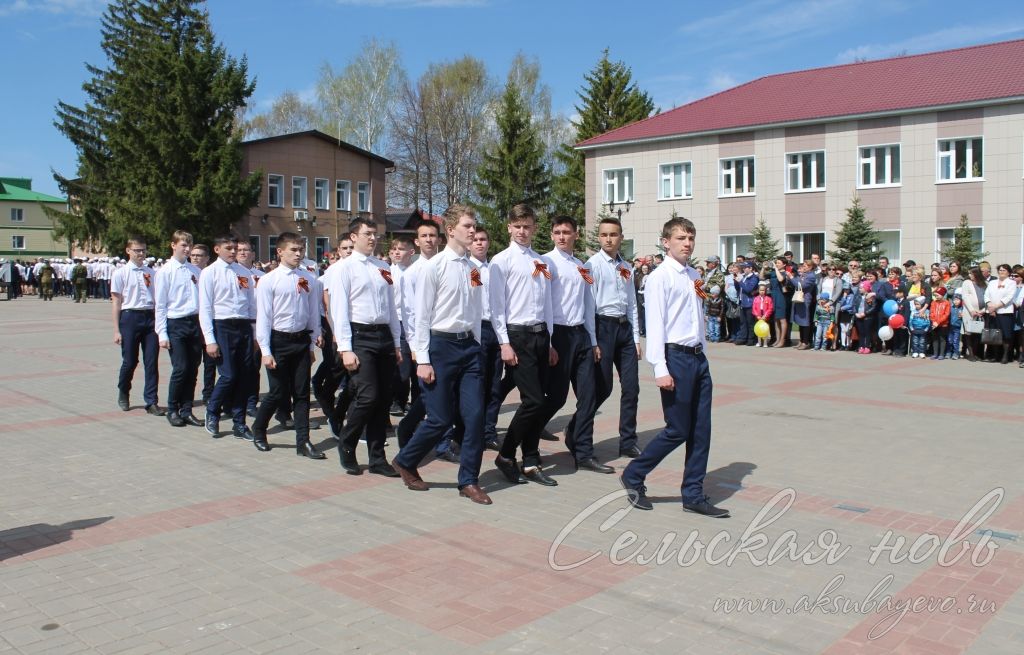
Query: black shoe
x=535 y=474
x=243 y=432
x=286 y=422
x=154 y=410
x=190 y=419
x=707 y=509
x=448 y=456
x=260 y=441
x=213 y=424
x=632 y=452
x=547 y=436
x=396 y=410
x=349 y=462
x=384 y=469
x=122 y=400
x=591 y=464
x=492 y=444
x=306 y=449
x=510 y=469
x=637 y=496
x=175 y=420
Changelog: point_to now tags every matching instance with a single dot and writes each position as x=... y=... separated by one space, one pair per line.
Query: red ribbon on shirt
x=386 y=274
x=625 y=273
x=194 y=280
x=303 y=284
x=541 y=269
x=587 y=277
x=698 y=286
x=256 y=280
x=147 y=278
x=243 y=282
x=474 y=278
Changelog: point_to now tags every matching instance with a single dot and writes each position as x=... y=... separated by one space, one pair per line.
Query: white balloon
x=885 y=333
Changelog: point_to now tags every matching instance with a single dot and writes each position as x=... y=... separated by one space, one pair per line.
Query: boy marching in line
x=402 y=251
x=287 y=328
x=177 y=328
x=134 y=324
x=675 y=347
x=449 y=358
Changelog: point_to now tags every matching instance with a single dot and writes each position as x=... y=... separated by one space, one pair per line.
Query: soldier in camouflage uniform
x=46 y=281
x=80 y=277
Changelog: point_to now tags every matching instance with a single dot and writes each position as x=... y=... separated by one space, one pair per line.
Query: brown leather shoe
x=476 y=494
x=411 y=478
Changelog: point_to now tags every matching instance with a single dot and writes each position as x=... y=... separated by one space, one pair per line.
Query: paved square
x=121 y=534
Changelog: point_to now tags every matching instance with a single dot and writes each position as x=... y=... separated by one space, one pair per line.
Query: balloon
x=896 y=321
x=890 y=307
x=885 y=333
x=761 y=329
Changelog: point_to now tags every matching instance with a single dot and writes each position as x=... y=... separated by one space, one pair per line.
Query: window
x=271 y=248
x=730 y=246
x=676 y=181
x=17 y=242
x=944 y=235
x=736 y=177
x=299 y=192
x=323 y=246
x=343 y=195
x=806 y=244
x=17 y=214
x=890 y=246
x=363 y=192
x=275 y=191
x=618 y=185
x=254 y=243
x=320 y=194
x=879 y=166
x=805 y=171
x=959 y=160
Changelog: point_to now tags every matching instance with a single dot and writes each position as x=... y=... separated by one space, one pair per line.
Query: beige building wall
x=36 y=228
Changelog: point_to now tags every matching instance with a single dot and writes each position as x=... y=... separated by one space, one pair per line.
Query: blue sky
x=679 y=51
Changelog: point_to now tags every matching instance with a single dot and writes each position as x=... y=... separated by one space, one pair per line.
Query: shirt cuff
x=163 y=337
x=660 y=369
x=345 y=346
x=264 y=348
x=422 y=357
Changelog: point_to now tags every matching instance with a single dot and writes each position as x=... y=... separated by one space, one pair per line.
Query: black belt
x=371 y=327
x=141 y=311
x=190 y=317
x=297 y=337
x=460 y=336
x=689 y=350
x=531 y=329
x=232 y=321
x=621 y=320
x=559 y=326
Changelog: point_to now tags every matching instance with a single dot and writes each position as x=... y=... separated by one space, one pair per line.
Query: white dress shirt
x=1001 y=291
x=135 y=286
x=675 y=313
x=257 y=274
x=397 y=271
x=517 y=295
x=177 y=293
x=225 y=291
x=485 y=276
x=311 y=267
x=407 y=309
x=446 y=300
x=572 y=297
x=614 y=293
x=286 y=301
x=360 y=293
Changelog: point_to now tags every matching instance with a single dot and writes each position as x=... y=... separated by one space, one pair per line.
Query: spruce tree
x=513 y=171
x=609 y=99
x=857 y=239
x=964 y=249
x=765 y=248
x=156 y=139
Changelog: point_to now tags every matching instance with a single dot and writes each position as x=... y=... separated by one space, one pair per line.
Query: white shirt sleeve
x=160 y=295
x=265 y=315
x=654 y=293
x=206 y=284
x=340 y=311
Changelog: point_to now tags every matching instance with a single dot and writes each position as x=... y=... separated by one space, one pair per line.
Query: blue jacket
x=748 y=289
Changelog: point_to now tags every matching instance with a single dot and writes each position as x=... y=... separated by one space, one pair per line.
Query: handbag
x=973 y=325
x=798 y=294
x=991 y=336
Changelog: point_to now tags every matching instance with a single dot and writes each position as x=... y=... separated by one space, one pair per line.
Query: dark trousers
x=615 y=338
x=575 y=366
x=458 y=365
x=405 y=375
x=186 y=352
x=493 y=368
x=530 y=377
x=866 y=330
x=136 y=327
x=234 y=338
x=288 y=380
x=371 y=391
x=252 y=378
x=209 y=376
x=330 y=372
x=687 y=421
x=746 y=332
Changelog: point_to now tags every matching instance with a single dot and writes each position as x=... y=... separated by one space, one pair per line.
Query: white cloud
x=944 y=39
x=73 y=7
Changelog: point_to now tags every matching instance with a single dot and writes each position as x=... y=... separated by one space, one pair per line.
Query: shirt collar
x=359 y=257
x=478 y=262
x=569 y=257
x=674 y=265
x=451 y=255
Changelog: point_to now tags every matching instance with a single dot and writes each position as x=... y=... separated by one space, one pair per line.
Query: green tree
x=513 y=170
x=157 y=148
x=857 y=239
x=609 y=99
x=963 y=249
x=764 y=246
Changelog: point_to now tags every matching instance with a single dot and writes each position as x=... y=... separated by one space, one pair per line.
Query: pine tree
x=765 y=248
x=513 y=171
x=609 y=99
x=156 y=140
x=964 y=249
x=857 y=239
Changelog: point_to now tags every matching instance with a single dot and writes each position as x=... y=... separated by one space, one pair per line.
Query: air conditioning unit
x=301 y=215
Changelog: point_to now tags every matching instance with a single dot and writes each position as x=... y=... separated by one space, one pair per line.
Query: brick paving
x=121 y=534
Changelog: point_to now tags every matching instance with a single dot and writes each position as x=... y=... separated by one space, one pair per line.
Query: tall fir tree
x=857 y=239
x=609 y=99
x=156 y=139
x=513 y=171
x=765 y=248
x=963 y=249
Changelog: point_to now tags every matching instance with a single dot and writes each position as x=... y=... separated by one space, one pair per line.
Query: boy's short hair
x=137 y=239
x=285 y=238
x=481 y=228
x=202 y=247
x=678 y=223
x=357 y=223
x=430 y=224
x=564 y=220
x=403 y=240
x=521 y=212
x=456 y=212
x=181 y=236
x=223 y=239
x=610 y=220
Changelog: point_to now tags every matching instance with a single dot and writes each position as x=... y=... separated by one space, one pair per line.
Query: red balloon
x=896 y=321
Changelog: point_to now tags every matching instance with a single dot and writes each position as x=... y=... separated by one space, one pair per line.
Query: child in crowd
x=940 y=323
x=956 y=323
x=844 y=315
x=822 y=320
x=713 y=311
x=920 y=321
x=763 y=309
x=899 y=337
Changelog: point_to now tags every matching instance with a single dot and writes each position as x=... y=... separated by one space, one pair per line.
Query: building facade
x=312 y=184
x=920 y=140
x=25 y=229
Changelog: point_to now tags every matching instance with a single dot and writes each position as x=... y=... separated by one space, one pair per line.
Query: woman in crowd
x=803 y=312
x=999 y=295
x=973 y=292
x=780 y=284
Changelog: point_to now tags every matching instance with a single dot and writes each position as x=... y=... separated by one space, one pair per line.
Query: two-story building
x=313 y=184
x=25 y=229
x=919 y=139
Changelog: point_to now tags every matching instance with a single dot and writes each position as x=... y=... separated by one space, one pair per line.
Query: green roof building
x=26 y=232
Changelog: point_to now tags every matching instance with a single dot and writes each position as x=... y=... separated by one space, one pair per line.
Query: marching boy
x=675 y=347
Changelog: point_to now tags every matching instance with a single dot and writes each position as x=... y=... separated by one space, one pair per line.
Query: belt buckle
x=698 y=349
